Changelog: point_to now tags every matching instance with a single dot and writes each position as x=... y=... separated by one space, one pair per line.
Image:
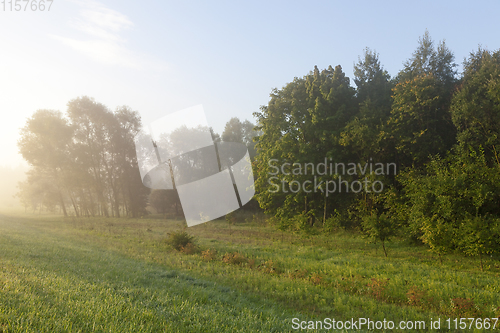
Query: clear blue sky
x=162 y=56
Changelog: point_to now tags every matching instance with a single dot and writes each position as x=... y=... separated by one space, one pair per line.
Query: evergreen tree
x=420 y=122
x=476 y=105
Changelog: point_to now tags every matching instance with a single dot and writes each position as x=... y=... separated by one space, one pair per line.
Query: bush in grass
x=379 y=228
x=334 y=222
x=455 y=205
x=179 y=239
x=234 y=258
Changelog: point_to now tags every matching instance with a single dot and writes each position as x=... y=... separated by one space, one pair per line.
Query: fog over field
x=264 y=166
x=9 y=179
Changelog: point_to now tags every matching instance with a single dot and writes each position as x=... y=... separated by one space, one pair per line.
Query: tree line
x=84 y=162
x=441 y=129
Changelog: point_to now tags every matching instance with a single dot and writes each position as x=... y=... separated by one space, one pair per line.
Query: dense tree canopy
x=439 y=130
x=302 y=124
x=476 y=106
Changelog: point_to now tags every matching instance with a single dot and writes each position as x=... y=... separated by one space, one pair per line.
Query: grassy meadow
x=119 y=275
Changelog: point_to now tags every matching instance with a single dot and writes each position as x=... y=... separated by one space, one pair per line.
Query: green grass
x=119 y=275
x=50 y=282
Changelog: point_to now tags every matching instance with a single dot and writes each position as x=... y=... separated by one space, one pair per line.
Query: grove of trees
x=439 y=128
x=439 y=131
x=85 y=160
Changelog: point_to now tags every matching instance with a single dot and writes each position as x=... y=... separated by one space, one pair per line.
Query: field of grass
x=119 y=275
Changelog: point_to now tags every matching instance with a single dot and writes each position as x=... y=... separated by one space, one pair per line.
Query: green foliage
x=179 y=239
x=427 y=59
x=164 y=201
x=455 y=203
x=480 y=235
x=334 y=223
x=476 y=106
x=373 y=94
x=379 y=228
x=420 y=123
x=302 y=123
x=241 y=132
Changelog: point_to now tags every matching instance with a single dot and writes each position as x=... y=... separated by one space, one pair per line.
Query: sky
x=159 y=57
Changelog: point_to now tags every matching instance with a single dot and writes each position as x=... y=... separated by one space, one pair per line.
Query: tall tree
x=133 y=192
x=88 y=159
x=92 y=121
x=301 y=124
x=233 y=131
x=241 y=132
x=476 y=105
x=45 y=144
x=362 y=136
x=420 y=123
x=373 y=94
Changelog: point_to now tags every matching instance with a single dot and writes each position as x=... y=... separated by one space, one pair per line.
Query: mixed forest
x=439 y=128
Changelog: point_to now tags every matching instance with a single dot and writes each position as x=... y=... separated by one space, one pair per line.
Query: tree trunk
x=324 y=212
x=74 y=205
x=383 y=246
x=62 y=204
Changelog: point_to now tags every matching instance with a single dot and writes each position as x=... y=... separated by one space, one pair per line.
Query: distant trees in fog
x=83 y=162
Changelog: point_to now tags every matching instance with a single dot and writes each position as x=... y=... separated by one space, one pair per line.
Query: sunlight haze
x=160 y=57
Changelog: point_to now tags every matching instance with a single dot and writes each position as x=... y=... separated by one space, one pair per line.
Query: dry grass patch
x=234 y=258
x=209 y=255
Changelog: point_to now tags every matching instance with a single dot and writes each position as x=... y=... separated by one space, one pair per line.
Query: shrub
x=179 y=239
x=379 y=228
x=334 y=222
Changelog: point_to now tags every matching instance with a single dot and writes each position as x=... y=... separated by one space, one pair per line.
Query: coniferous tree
x=420 y=123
